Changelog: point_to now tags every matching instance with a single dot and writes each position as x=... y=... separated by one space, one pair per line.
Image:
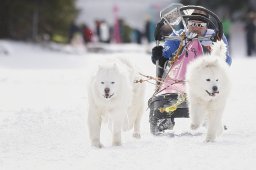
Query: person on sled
x=167 y=51
x=201 y=25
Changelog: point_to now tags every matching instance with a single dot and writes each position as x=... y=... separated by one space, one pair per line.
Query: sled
x=169 y=100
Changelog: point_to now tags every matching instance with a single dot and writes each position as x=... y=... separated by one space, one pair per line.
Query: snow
x=43 y=112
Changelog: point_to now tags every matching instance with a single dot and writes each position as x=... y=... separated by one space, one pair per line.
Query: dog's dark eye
x=112 y=82
x=208 y=79
x=217 y=79
x=102 y=82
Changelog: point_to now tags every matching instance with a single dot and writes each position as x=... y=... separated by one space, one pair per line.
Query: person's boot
x=159 y=121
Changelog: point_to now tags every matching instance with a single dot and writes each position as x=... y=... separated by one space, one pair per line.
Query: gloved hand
x=157 y=53
x=191 y=35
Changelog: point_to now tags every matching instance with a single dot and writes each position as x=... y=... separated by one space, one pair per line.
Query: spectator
x=104 y=32
x=73 y=29
x=149 y=30
x=226 y=27
x=87 y=33
x=250 y=31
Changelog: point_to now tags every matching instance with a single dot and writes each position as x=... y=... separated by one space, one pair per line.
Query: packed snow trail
x=43 y=112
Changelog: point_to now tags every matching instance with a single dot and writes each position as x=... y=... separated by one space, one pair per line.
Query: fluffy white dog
x=208 y=85
x=113 y=96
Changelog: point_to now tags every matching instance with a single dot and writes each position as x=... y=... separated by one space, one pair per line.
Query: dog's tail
x=219 y=48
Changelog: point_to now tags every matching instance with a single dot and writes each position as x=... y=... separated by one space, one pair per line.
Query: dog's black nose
x=214 y=88
x=107 y=90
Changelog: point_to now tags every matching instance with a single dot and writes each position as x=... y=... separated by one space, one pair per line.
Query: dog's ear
x=211 y=63
x=203 y=63
x=215 y=61
x=197 y=64
x=219 y=49
x=115 y=66
x=100 y=67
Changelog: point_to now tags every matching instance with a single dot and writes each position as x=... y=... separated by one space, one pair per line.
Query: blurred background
x=90 y=23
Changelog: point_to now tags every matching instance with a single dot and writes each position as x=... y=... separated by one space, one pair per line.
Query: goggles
x=197 y=24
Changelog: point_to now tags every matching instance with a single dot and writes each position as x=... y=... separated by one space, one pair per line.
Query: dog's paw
x=194 y=126
x=97 y=145
x=117 y=143
x=136 y=135
x=209 y=139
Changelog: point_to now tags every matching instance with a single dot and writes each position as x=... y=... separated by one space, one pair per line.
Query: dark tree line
x=30 y=19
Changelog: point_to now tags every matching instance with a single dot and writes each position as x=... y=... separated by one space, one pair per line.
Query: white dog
x=114 y=96
x=207 y=88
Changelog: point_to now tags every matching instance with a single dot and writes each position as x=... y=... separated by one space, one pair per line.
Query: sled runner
x=169 y=100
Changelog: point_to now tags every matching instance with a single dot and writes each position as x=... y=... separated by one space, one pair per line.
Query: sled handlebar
x=219 y=26
x=213 y=21
x=179 y=38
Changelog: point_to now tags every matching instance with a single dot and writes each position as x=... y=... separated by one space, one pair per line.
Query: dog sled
x=169 y=100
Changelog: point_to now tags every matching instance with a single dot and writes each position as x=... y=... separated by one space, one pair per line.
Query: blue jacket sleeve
x=228 y=59
x=170 y=46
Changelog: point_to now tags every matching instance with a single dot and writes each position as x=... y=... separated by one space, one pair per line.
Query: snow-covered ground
x=43 y=112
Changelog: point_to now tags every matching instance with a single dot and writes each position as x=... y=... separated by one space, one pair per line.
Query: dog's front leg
x=197 y=114
x=94 y=122
x=117 y=127
x=135 y=119
x=136 y=133
x=215 y=126
x=116 y=141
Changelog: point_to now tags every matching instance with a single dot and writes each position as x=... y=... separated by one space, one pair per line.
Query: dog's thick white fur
x=114 y=96
x=207 y=87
